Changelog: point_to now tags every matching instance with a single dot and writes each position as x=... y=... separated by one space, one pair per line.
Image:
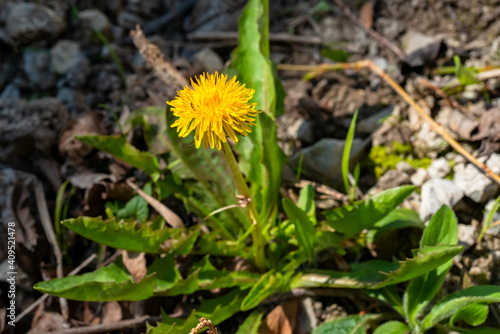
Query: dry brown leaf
x=44 y=321
x=282 y=318
x=366 y=14
x=135 y=264
x=111 y=312
x=90 y=123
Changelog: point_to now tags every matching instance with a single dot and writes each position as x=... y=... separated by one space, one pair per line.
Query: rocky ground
x=70 y=68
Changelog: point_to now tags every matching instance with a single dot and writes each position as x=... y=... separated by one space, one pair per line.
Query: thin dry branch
x=170 y=216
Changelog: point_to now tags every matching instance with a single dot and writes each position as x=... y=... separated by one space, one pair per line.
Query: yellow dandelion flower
x=215 y=108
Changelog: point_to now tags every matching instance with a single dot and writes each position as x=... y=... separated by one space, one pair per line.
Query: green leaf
x=425 y=260
x=306 y=202
x=465 y=76
x=346 y=154
x=118 y=147
x=166 y=271
x=261 y=159
x=337 y=55
x=362 y=275
x=387 y=294
x=369 y=211
x=474 y=314
x=441 y=230
x=174 y=325
x=392 y=327
x=269 y=283
x=129 y=235
x=105 y=284
x=136 y=207
x=480 y=330
x=304 y=228
x=453 y=303
x=396 y=219
x=251 y=323
x=221 y=308
x=352 y=324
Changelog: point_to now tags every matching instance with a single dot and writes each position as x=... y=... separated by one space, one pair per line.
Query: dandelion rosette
x=214 y=108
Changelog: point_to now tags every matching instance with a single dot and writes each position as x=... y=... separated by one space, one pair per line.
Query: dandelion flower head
x=214 y=108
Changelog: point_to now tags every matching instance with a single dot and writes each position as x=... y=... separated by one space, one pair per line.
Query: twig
x=43 y=213
x=449 y=101
x=45 y=296
x=347 y=11
x=401 y=92
x=106 y=328
x=233 y=36
x=163 y=69
x=170 y=216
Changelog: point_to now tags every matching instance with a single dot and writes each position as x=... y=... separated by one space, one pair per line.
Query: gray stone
x=94 y=19
x=322 y=161
x=467 y=235
x=207 y=60
x=437 y=192
x=372 y=123
x=65 y=55
x=10 y=93
x=391 y=179
x=36 y=65
x=405 y=167
x=30 y=21
x=474 y=183
x=439 y=168
x=307 y=132
x=419 y=177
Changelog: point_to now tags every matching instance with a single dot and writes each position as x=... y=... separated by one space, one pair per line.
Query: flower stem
x=257 y=236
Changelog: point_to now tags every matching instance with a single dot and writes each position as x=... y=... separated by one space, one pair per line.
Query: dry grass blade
x=43 y=212
x=170 y=216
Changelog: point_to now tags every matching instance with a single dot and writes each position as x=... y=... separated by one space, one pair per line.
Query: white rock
x=493 y=163
x=437 y=192
x=439 y=168
x=474 y=183
x=467 y=235
x=419 y=177
x=405 y=167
